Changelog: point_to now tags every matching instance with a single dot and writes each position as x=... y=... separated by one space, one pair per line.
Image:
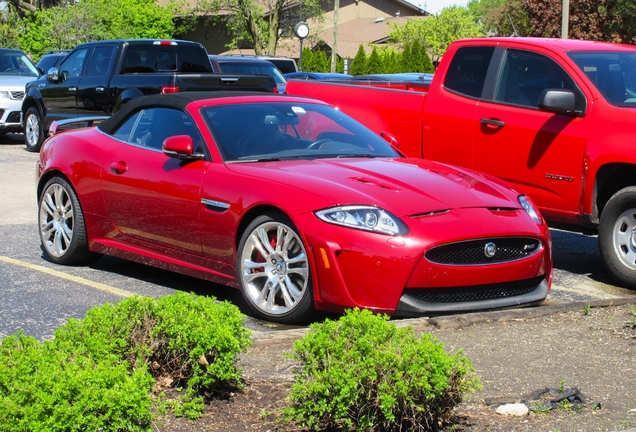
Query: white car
x=16 y=69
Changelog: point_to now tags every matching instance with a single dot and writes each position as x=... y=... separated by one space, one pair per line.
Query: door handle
x=72 y=89
x=492 y=122
x=99 y=89
x=119 y=167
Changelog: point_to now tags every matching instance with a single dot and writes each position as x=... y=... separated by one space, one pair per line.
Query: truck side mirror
x=558 y=101
x=53 y=75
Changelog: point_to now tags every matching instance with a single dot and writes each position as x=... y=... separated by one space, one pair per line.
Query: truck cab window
x=72 y=66
x=524 y=76
x=467 y=72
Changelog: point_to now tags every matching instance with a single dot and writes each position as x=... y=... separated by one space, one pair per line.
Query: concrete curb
x=453 y=322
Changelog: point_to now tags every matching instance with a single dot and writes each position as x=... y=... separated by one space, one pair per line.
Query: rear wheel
x=273 y=270
x=61 y=222
x=617 y=236
x=33 y=130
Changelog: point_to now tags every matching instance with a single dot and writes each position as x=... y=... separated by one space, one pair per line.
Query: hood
x=402 y=186
x=15 y=82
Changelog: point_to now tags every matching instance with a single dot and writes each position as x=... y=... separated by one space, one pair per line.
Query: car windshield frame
x=290 y=130
x=612 y=73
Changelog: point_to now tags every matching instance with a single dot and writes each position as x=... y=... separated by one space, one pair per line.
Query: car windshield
x=251 y=132
x=612 y=73
x=17 y=64
x=252 y=68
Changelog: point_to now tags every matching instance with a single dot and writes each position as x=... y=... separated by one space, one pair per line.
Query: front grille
x=475 y=292
x=14 y=117
x=17 y=95
x=473 y=252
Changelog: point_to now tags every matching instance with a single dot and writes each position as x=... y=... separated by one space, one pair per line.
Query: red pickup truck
x=555 y=118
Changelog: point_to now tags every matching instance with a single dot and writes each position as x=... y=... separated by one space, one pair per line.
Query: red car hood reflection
x=402 y=186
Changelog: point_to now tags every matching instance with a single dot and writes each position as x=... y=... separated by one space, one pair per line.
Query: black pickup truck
x=96 y=77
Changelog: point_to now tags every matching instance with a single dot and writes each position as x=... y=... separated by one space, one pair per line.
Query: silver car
x=16 y=69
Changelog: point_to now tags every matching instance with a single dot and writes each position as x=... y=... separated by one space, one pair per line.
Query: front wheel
x=62 y=228
x=617 y=236
x=273 y=270
x=33 y=130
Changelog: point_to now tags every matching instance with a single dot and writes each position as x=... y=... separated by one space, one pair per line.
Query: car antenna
x=514 y=30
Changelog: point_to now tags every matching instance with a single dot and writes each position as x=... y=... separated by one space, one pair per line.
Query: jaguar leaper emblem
x=490 y=249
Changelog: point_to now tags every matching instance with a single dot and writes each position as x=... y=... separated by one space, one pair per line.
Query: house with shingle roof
x=360 y=22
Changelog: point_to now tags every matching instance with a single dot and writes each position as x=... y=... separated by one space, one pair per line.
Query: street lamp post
x=302 y=31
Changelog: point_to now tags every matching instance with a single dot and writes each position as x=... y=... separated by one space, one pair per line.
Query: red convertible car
x=294 y=203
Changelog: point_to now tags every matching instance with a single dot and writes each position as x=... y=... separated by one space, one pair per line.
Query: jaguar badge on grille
x=490 y=249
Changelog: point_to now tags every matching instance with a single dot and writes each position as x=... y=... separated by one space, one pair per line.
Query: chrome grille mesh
x=472 y=252
x=17 y=95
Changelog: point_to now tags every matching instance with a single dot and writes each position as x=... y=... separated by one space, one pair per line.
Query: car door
x=60 y=97
x=540 y=153
x=92 y=90
x=152 y=199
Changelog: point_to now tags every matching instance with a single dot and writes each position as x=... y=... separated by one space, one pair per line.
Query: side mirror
x=181 y=147
x=559 y=102
x=53 y=75
x=390 y=138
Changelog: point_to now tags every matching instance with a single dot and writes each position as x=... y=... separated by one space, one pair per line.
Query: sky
x=434 y=6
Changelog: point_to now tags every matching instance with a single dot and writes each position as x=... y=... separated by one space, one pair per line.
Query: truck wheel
x=33 y=130
x=617 y=236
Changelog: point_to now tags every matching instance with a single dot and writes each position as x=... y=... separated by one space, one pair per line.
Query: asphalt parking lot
x=38 y=296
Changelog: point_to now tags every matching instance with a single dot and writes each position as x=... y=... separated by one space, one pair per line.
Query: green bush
x=98 y=372
x=364 y=373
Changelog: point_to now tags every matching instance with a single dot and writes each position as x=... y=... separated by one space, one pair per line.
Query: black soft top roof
x=172 y=100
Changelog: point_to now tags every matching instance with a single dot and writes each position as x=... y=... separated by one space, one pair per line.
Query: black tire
x=617 y=236
x=33 y=130
x=281 y=289
x=61 y=225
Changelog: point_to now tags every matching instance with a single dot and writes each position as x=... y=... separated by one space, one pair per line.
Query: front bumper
x=11 y=114
x=354 y=268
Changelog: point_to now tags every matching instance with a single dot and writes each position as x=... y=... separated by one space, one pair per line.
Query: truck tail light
x=275 y=89
x=169 y=89
x=164 y=43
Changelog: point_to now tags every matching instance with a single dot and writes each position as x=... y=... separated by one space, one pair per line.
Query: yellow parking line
x=96 y=285
x=584 y=292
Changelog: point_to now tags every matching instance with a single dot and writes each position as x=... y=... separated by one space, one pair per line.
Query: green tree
x=259 y=22
x=359 y=63
x=416 y=57
x=390 y=60
x=498 y=16
x=61 y=27
x=437 y=31
x=405 y=59
x=374 y=63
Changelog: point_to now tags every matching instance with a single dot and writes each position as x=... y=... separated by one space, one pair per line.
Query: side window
x=125 y=130
x=524 y=76
x=100 y=61
x=72 y=66
x=153 y=125
x=137 y=59
x=467 y=71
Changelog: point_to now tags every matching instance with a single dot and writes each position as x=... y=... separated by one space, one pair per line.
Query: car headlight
x=4 y=94
x=367 y=218
x=530 y=208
